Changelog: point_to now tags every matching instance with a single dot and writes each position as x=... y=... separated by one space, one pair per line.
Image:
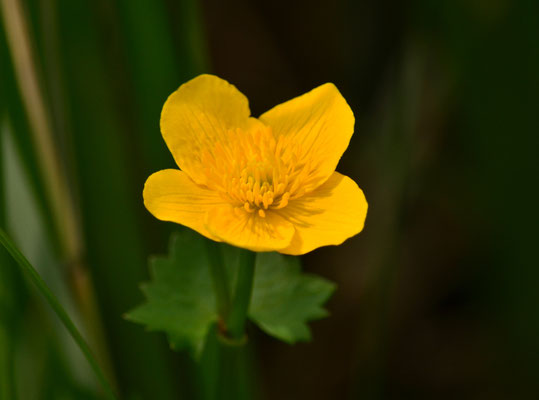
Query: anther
x=284 y=200
x=265 y=200
x=247 y=207
x=256 y=193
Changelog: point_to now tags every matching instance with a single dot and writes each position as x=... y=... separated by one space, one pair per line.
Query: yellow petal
x=321 y=122
x=329 y=215
x=171 y=196
x=248 y=230
x=199 y=114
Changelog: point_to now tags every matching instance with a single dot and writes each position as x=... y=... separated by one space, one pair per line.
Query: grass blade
x=32 y=274
x=8 y=313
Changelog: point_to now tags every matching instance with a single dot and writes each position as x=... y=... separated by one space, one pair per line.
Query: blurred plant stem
x=397 y=124
x=7 y=296
x=65 y=216
x=233 y=379
x=7 y=367
x=233 y=346
x=27 y=77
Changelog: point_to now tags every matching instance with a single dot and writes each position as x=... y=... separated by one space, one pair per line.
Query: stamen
x=257 y=172
x=284 y=201
x=266 y=199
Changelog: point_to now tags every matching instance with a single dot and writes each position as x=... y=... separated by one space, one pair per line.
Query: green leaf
x=284 y=299
x=180 y=299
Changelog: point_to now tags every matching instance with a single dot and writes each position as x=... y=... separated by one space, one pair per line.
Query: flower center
x=255 y=171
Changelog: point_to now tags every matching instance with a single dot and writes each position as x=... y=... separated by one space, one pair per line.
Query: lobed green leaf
x=285 y=299
x=180 y=298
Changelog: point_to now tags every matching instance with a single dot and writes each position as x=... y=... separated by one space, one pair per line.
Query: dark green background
x=438 y=297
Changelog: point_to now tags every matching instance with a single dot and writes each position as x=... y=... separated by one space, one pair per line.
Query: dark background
x=438 y=296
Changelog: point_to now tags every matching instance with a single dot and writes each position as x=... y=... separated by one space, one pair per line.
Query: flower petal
x=199 y=114
x=248 y=230
x=171 y=196
x=321 y=122
x=329 y=215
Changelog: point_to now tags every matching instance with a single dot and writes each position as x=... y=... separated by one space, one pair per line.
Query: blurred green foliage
x=438 y=296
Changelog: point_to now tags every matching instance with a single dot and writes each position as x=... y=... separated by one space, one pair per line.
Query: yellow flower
x=266 y=184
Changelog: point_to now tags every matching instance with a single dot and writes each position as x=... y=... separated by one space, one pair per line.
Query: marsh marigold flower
x=264 y=184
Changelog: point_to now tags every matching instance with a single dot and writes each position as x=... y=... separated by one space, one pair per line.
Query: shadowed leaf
x=181 y=301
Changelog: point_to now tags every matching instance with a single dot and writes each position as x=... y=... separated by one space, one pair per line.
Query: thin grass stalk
x=27 y=77
x=65 y=215
x=42 y=287
x=7 y=326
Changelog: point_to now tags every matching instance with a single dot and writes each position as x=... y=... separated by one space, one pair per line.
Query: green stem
x=58 y=309
x=231 y=349
x=242 y=297
x=219 y=278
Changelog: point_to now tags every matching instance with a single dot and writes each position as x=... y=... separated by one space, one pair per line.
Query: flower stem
x=242 y=297
x=219 y=278
x=232 y=317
